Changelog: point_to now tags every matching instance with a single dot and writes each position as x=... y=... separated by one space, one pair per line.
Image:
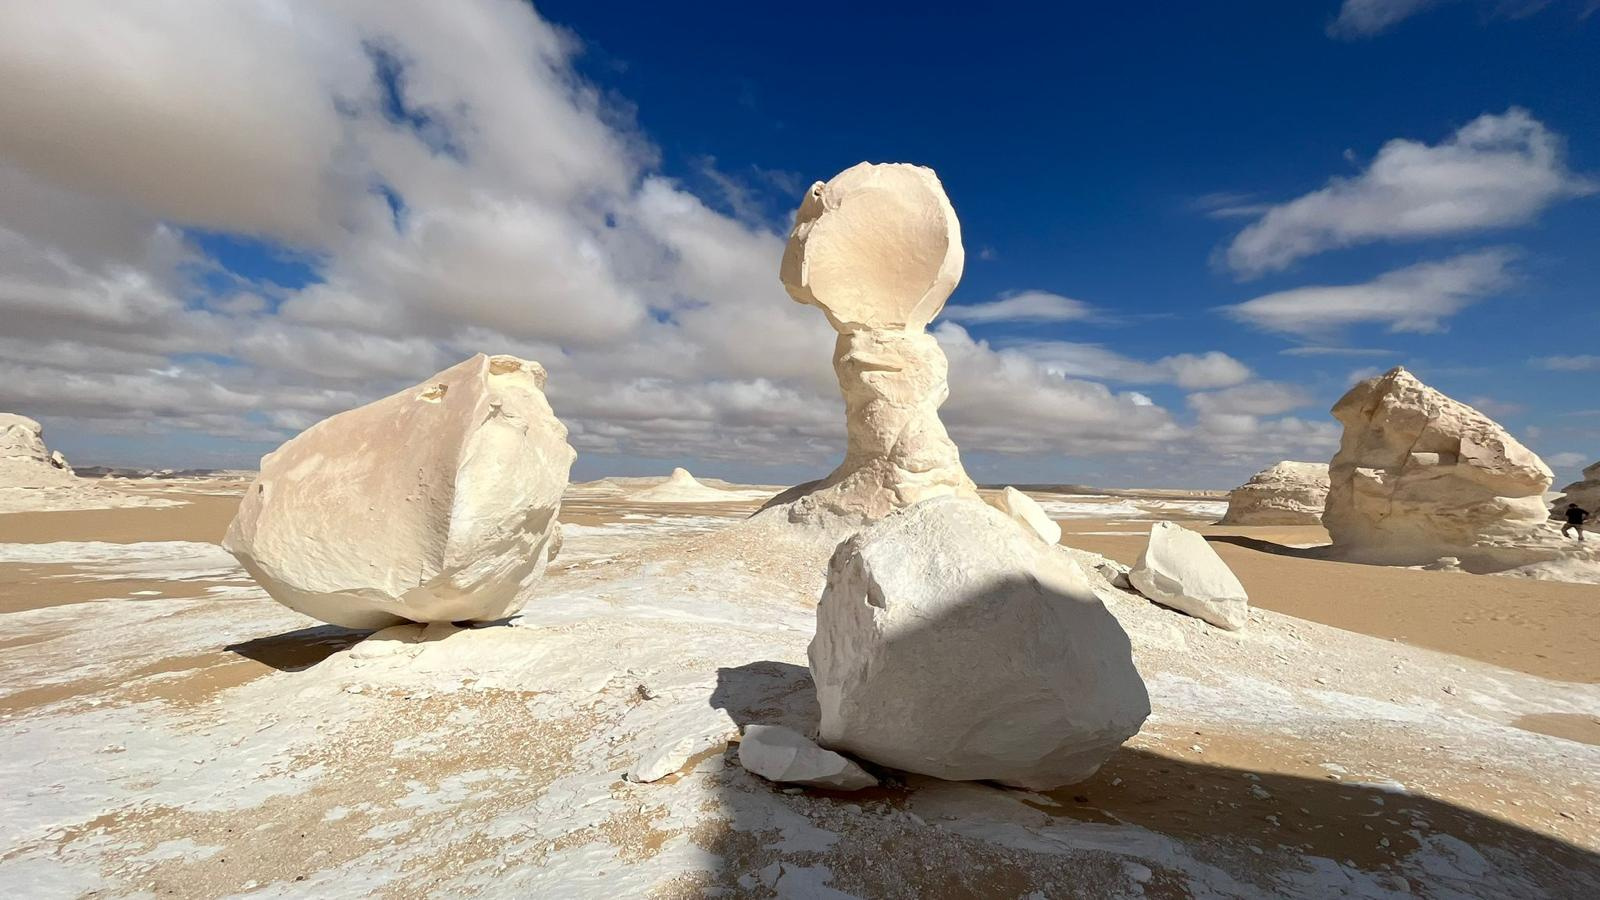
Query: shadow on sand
x=1259 y=829
x=1250 y=543
x=294 y=651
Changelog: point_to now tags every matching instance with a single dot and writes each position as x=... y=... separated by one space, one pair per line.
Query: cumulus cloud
x=451 y=185
x=1417 y=298
x=1027 y=306
x=1003 y=400
x=1494 y=172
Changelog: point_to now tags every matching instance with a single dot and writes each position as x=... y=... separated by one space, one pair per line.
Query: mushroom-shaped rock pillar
x=878 y=250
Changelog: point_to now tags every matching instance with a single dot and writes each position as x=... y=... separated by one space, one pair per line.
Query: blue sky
x=352 y=201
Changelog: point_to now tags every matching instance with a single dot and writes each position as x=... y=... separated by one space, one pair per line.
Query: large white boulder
x=436 y=504
x=952 y=643
x=1027 y=512
x=1288 y=493
x=878 y=250
x=25 y=461
x=1419 y=476
x=1178 y=569
x=785 y=755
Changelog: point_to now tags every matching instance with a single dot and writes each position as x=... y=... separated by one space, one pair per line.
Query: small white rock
x=784 y=755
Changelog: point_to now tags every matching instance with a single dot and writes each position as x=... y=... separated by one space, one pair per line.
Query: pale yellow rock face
x=1027 y=511
x=877 y=247
x=435 y=504
x=878 y=250
x=1288 y=493
x=1419 y=476
x=25 y=461
x=1585 y=493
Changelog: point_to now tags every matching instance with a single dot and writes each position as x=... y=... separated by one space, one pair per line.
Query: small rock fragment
x=784 y=755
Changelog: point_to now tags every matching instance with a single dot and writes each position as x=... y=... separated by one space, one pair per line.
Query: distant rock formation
x=436 y=504
x=1420 y=476
x=878 y=250
x=951 y=643
x=25 y=461
x=1180 y=571
x=681 y=487
x=1585 y=493
x=34 y=478
x=1288 y=493
x=1027 y=511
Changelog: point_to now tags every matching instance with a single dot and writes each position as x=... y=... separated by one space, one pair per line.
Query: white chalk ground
x=1089 y=506
x=138 y=757
x=91 y=494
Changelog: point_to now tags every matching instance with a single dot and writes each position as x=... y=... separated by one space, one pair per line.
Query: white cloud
x=1567 y=460
x=1261 y=398
x=1414 y=299
x=1364 y=18
x=1583 y=362
x=1496 y=171
x=1003 y=400
x=1190 y=371
x=1337 y=351
x=456 y=188
x=1027 y=306
x=1493 y=407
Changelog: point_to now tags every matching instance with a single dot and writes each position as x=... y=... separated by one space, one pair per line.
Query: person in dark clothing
x=1575 y=519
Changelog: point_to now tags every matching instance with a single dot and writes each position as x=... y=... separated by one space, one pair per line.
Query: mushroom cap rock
x=878 y=247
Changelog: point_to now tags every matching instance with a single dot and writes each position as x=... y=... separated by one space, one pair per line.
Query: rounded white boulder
x=436 y=504
x=1179 y=570
x=951 y=643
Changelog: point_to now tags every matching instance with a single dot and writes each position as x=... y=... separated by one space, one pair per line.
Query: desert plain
x=169 y=730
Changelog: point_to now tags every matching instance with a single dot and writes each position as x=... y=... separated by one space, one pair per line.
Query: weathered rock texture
x=24 y=459
x=1585 y=493
x=878 y=250
x=951 y=643
x=436 y=504
x=1419 y=476
x=1027 y=511
x=1289 y=493
x=1179 y=570
x=785 y=755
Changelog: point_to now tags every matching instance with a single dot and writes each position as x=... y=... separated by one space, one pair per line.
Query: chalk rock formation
x=1419 y=476
x=681 y=487
x=436 y=504
x=1289 y=493
x=1027 y=511
x=25 y=461
x=1585 y=493
x=951 y=643
x=1179 y=570
x=878 y=250
x=784 y=755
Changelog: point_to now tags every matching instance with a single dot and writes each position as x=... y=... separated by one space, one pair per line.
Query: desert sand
x=1373 y=731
